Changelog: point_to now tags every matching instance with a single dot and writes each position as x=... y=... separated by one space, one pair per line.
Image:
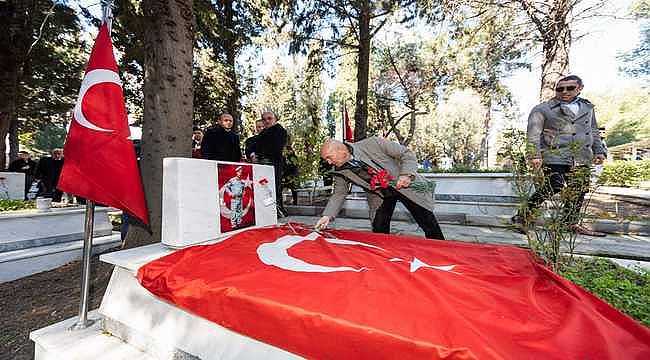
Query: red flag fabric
x=349 y=136
x=100 y=162
x=358 y=295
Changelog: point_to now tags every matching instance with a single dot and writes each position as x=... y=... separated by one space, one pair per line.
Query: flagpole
x=89 y=225
x=343 y=123
x=83 y=321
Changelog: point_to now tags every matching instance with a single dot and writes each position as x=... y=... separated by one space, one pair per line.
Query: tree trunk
x=4 y=130
x=363 y=68
x=484 y=155
x=229 y=45
x=168 y=101
x=14 y=144
x=12 y=42
x=556 y=46
x=233 y=98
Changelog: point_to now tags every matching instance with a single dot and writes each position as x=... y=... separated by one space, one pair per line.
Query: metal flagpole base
x=82 y=325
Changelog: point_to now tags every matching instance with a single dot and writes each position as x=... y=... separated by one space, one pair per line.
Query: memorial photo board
x=236 y=196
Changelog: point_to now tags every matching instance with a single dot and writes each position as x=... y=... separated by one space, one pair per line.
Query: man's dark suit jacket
x=270 y=143
x=219 y=144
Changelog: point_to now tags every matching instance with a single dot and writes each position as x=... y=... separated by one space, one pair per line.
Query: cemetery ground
x=42 y=299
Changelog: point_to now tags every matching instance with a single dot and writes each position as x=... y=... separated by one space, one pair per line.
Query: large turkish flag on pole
x=100 y=161
x=358 y=295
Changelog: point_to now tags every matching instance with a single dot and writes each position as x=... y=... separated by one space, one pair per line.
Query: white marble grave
x=191 y=211
x=151 y=328
x=12 y=186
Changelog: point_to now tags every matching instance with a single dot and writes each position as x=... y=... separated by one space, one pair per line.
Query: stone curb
x=602 y=225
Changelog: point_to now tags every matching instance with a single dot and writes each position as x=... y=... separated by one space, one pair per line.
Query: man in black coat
x=26 y=166
x=249 y=144
x=268 y=150
x=220 y=142
x=48 y=171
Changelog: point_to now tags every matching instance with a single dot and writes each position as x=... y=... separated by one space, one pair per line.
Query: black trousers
x=424 y=217
x=556 y=178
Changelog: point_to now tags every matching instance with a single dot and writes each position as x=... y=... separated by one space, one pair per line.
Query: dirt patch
x=43 y=299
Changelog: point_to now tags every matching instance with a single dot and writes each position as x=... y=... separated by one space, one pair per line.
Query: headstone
x=204 y=200
x=12 y=186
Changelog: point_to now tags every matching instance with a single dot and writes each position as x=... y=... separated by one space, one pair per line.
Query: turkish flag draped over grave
x=100 y=161
x=358 y=295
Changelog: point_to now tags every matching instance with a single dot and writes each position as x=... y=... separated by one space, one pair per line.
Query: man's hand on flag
x=322 y=223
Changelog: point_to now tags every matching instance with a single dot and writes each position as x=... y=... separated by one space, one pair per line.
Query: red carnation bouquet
x=382 y=179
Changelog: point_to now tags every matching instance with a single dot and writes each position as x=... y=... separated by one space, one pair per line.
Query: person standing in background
x=564 y=141
x=26 y=166
x=220 y=142
x=249 y=144
x=197 y=137
x=48 y=171
x=269 y=148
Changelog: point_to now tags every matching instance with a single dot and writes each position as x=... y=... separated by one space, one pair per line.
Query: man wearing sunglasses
x=564 y=141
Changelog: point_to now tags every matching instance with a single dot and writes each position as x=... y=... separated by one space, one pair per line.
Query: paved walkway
x=632 y=247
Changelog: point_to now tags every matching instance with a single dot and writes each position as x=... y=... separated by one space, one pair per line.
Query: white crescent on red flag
x=358 y=295
x=100 y=162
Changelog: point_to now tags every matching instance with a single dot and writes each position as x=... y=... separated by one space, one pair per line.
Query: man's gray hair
x=269 y=112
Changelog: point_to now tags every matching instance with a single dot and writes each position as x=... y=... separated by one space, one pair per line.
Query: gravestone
x=204 y=200
x=12 y=186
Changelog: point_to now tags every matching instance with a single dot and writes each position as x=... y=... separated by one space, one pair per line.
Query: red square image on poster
x=236 y=198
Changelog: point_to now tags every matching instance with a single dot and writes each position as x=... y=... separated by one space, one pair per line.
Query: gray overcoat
x=561 y=137
x=378 y=153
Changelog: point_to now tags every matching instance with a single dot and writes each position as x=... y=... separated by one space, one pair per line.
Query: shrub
x=10 y=205
x=625 y=173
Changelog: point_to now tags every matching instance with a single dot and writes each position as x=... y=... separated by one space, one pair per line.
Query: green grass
x=11 y=205
x=624 y=289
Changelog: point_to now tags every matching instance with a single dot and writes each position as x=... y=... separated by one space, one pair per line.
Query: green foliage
x=624 y=112
x=13 y=205
x=48 y=137
x=404 y=81
x=52 y=72
x=293 y=93
x=624 y=289
x=453 y=129
x=625 y=173
x=210 y=96
x=637 y=60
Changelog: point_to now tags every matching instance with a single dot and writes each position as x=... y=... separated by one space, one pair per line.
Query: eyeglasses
x=567 y=88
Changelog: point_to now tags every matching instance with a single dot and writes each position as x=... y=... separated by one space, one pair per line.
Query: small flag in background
x=100 y=163
x=349 y=135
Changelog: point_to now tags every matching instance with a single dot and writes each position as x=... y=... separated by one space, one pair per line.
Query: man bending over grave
x=372 y=164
